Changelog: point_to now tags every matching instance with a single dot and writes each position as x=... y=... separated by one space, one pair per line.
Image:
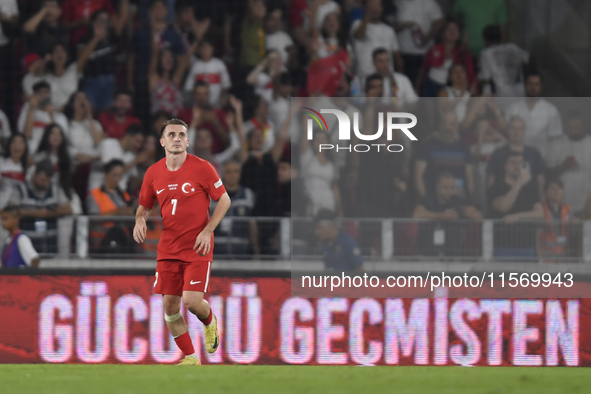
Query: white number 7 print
x=174 y=201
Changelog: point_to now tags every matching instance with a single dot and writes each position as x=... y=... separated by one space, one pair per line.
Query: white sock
x=212 y=320
x=194 y=355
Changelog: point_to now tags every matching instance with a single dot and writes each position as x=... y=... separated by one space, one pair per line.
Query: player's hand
x=140 y=230
x=203 y=243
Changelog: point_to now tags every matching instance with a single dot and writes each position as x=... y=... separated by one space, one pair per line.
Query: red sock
x=185 y=344
x=207 y=320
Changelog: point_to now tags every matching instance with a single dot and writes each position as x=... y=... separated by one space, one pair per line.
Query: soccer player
x=183 y=185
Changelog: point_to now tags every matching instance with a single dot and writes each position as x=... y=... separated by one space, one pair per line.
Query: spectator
x=489 y=139
x=541 y=117
x=319 y=174
x=443 y=208
x=99 y=45
x=35 y=66
x=63 y=78
x=18 y=251
x=263 y=75
x=475 y=15
x=515 y=144
x=396 y=85
x=276 y=39
x=514 y=198
x=291 y=196
x=37 y=113
x=126 y=149
x=444 y=152
x=368 y=35
x=259 y=170
x=553 y=238
x=328 y=38
x=13 y=166
x=202 y=141
x=8 y=29
x=340 y=250
x=211 y=70
x=41 y=202
x=203 y=115
x=139 y=60
x=157 y=122
x=192 y=30
x=116 y=121
x=165 y=80
x=5 y=130
x=456 y=95
x=236 y=237
x=252 y=34
x=109 y=200
x=43 y=30
x=280 y=100
x=78 y=15
x=417 y=23
x=501 y=65
x=434 y=72
x=261 y=121
x=569 y=160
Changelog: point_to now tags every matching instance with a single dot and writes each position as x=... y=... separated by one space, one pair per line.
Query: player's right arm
x=147 y=200
x=141 y=227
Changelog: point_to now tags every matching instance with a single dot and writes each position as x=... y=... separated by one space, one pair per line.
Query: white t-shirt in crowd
x=405 y=93
x=577 y=180
x=41 y=120
x=9 y=9
x=110 y=149
x=322 y=12
x=542 y=122
x=11 y=174
x=279 y=41
x=28 y=81
x=502 y=64
x=377 y=35
x=461 y=108
x=80 y=137
x=318 y=180
x=214 y=72
x=264 y=86
x=423 y=13
x=5 y=131
x=63 y=87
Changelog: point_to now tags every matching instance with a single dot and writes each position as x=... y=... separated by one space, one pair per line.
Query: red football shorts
x=175 y=276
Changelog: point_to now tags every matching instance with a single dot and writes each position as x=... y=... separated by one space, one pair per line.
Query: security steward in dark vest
x=341 y=251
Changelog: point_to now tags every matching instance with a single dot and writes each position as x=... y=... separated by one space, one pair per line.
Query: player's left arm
x=203 y=241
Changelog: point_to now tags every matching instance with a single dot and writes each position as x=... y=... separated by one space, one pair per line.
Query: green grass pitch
x=137 y=379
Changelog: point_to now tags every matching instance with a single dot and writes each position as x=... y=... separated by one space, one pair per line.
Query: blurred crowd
x=85 y=86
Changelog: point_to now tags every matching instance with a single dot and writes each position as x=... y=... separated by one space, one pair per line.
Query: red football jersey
x=184 y=197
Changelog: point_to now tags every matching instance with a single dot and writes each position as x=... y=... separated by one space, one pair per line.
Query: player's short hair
x=41 y=85
x=14 y=210
x=378 y=51
x=46 y=167
x=174 y=121
x=445 y=175
x=112 y=164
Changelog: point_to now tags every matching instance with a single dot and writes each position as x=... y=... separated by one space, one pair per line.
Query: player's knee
x=193 y=303
x=171 y=306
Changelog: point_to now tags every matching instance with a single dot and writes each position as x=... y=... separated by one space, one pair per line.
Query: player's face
x=174 y=139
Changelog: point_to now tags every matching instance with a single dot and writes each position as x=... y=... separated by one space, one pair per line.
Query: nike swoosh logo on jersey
x=159 y=191
x=194 y=283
